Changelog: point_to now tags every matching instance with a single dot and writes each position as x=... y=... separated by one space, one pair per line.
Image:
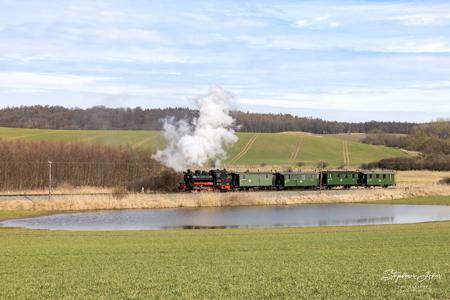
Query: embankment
x=137 y=200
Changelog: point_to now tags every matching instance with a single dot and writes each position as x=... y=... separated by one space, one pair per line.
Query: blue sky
x=337 y=60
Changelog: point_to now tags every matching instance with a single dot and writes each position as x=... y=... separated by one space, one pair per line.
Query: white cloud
x=323 y=21
x=400 y=44
x=422 y=19
x=117 y=34
x=27 y=82
x=398 y=100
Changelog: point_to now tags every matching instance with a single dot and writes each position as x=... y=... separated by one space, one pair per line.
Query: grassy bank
x=333 y=262
x=18 y=214
x=431 y=200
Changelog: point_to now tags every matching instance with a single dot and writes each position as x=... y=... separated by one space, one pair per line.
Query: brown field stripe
x=297 y=151
x=142 y=142
x=245 y=149
x=294 y=153
x=90 y=138
x=345 y=153
x=348 y=153
x=32 y=135
x=291 y=156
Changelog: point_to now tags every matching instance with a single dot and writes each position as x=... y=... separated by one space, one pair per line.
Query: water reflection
x=233 y=217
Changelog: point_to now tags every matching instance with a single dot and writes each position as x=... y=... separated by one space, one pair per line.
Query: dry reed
x=135 y=200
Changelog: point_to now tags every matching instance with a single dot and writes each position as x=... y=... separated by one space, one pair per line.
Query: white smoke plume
x=206 y=139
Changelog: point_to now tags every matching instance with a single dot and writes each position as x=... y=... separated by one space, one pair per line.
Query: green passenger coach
x=297 y=180
x=339 y=178
x=377 y=178
x=252 y=180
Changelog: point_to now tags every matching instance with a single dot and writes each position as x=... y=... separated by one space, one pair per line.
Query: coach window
x=384 y=176
x=377 y=176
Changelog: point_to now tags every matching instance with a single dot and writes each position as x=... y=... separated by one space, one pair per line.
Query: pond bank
x=129 y=201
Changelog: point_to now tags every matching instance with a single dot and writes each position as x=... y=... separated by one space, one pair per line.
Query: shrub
x=119 y=192
x=433 y=162
x=165 y=181
x=24 y=165
x=445 y=180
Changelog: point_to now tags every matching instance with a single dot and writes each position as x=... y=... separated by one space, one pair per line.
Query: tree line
x=432 y=140
x=99 y=117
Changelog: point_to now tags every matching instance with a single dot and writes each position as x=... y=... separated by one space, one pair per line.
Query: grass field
x=251 y=149
x=308 y=263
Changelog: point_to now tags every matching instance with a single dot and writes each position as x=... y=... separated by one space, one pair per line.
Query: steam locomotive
x=222 y=180
x=214 y=180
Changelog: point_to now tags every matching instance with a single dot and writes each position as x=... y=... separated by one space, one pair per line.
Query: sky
x=336 y=60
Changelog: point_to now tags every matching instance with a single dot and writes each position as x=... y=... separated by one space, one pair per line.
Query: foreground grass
x=431 y=200
x=333 y=262
x=18 y=214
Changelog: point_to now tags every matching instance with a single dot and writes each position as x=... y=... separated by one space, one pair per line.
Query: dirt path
x=244 y=150
x=32 y=135
x=296 y=151
x=142 y=142
x=94 y=137
x=345 y=153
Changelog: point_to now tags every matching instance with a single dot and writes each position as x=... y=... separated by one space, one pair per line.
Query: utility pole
x=49 y=180
x=320 y=179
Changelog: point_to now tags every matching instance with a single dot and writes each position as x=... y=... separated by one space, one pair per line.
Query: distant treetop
x=100 y=117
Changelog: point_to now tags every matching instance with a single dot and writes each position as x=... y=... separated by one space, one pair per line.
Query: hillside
x=251 y=149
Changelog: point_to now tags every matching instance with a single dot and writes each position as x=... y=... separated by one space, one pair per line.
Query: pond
x=232 y=217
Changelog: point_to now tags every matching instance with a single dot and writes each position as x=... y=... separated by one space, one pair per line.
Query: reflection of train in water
x=222 y=180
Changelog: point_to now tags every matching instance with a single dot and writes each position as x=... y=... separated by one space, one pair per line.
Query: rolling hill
x=251 y=149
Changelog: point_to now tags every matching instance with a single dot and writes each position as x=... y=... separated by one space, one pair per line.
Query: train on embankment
x=222 y=180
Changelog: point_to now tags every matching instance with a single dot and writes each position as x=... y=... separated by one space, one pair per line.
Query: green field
x=251 y=149
x=308 y=263
x=353 y=262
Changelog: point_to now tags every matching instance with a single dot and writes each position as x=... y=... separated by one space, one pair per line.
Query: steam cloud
x=206 y=139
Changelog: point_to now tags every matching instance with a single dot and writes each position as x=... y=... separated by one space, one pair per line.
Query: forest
x=99 y=117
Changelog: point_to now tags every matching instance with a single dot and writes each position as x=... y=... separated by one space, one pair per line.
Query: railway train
x=222 y=180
